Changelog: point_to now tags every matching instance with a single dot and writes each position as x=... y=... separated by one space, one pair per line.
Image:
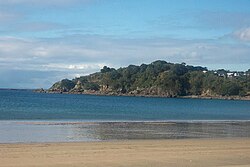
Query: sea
x=27 y=117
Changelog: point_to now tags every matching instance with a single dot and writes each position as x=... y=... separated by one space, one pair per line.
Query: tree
x=92 y=86
x=64 y=85
x=172 y=84
x=230 y=88
x=161 y=78
x=179 y=69
x=196 y=82
x=106 y=69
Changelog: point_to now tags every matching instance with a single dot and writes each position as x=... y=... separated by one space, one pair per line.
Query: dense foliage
x=159 y=78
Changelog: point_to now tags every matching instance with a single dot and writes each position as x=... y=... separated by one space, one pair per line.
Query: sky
x=45 y=41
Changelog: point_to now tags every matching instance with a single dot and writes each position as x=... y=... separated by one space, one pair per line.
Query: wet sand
x=67 y=131
x=132 y=153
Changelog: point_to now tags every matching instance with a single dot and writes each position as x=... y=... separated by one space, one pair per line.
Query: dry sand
x=148 y=153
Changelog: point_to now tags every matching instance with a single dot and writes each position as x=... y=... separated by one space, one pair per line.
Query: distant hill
x=160 y=78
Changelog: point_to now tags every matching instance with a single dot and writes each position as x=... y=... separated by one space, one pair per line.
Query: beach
x=46 y=130
x=157 y=153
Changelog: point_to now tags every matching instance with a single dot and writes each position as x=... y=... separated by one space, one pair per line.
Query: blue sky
x=44 y=41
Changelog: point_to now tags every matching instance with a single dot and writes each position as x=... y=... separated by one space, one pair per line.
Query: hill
x=160 y=78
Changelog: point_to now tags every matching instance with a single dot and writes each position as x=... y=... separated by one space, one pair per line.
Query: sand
x=145 y=153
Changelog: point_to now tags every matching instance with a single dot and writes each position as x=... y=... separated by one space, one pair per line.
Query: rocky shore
x=100 y=93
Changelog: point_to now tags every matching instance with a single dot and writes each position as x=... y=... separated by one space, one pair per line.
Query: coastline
x=246 y=98
x=159 y=153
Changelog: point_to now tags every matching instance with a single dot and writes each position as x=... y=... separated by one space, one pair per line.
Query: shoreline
x=146 y=153
x=245 y=98
x=82 y=121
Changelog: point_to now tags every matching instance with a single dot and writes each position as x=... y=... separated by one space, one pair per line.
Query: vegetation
x=159 y=78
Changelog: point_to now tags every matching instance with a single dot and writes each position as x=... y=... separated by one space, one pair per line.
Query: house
x=230 y=74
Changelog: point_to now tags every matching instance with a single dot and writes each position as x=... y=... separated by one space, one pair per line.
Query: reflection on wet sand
x=65 y=131
x=162 y=130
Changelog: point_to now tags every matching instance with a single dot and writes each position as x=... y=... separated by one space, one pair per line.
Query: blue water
x=26 y=116
x=27 y=105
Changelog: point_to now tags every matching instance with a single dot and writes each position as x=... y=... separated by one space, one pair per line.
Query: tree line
x=158 y=78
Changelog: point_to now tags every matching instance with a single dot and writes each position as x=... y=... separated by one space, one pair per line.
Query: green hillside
x=159 y=78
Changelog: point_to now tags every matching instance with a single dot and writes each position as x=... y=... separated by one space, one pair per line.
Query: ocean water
x=27 y=105
x=26 y=117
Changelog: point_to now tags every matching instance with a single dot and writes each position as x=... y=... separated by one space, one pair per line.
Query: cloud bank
x=72 y=56
x=44 y=41
x=243 y=34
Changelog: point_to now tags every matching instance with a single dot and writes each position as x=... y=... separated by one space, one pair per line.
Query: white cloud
x=243 y=34
x=89 y=66
x=79 y=55
x=65 y=53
